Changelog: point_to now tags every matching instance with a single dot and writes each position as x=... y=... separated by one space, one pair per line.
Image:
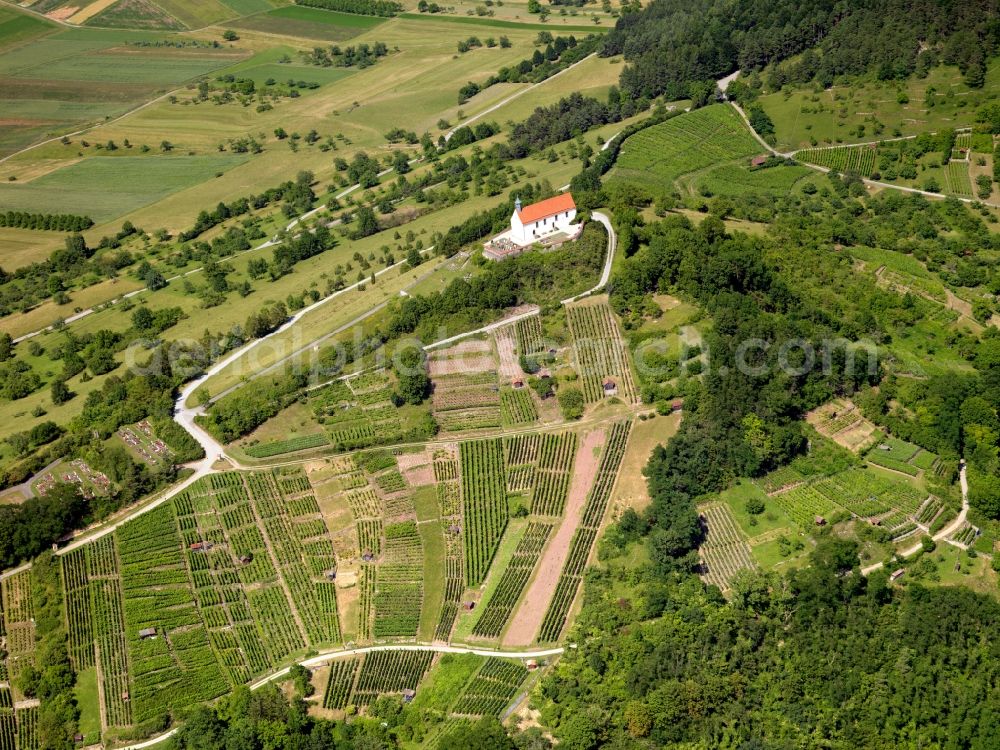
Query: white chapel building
x=532 y=223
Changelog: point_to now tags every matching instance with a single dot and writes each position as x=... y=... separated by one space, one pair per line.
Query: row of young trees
x=47 y=222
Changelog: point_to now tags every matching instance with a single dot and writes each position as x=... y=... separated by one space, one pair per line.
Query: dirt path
x=529 y=615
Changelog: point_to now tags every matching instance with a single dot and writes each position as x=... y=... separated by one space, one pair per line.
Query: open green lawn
x=138 y=67
x=754 y=525
x=88 y=702
x=738 y=179
x=105 y=187
x=281 y=73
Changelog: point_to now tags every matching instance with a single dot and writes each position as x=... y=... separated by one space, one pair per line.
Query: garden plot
x=467 y=401
x=417 y=468
x=143 y=441
x=599 y=352
x=842 y=422
x=78 y=472
x=356 y=413
x=19 y=623
x=725 y=551
x=899 y=455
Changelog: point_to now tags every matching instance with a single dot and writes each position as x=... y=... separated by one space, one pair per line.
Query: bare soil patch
x=510 y=367
x=61 y=14
x=529 y=615
x=416 y=468
x=461 y=365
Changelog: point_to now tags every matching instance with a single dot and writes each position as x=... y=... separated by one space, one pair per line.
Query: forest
x=675 y=48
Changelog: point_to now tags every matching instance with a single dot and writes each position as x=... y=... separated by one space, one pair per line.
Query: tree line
x=383 y=8
x=46 y=222
x=675 y=46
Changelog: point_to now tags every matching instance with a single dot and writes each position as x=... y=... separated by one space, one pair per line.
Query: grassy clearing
x=804 y=116
x=88 y=702
x=126 y=183
x=631 y=489
x=738 y=179
x=772 y=518
x=24 y=246
x=433 y=543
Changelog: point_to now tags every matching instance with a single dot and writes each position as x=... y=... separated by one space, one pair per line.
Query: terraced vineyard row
x=170 y=657
x=725 y=552
x=556 y=455
x=399 y=584
x=484 y=504
x=386 y=672
x=586 y=534
x=492 y=689
x=600 y=355
x=515 y=577
x=517 y=406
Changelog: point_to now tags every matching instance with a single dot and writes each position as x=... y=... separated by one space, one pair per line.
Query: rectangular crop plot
x=492 y=689
x=725 y=551
x=484 y=500
x=495 y=614
x=390 y=672
x=127 y=183
x=600 y=354
x=310 y=23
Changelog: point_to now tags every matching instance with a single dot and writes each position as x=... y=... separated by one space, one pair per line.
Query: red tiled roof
x=548 y=207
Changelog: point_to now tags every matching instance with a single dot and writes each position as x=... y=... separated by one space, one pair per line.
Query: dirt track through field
x=529 y=615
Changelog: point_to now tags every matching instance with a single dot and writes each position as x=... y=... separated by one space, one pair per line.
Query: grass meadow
x=108 y=187
x=807 y=116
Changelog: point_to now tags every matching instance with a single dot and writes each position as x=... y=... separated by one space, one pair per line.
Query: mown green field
x=310 y=23
x=733 y=179
x=106 y=187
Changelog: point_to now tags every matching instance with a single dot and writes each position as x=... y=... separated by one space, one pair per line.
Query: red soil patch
x=416 y=468
x=61 y=14
x=529 y=615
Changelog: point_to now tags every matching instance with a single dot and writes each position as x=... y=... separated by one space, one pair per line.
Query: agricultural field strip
x=599 y=352
x=585 y=536
x=527 y=555
x=484 y=504
x=725 y=551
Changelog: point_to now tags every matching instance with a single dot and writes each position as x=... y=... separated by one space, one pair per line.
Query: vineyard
x=359 y=680
x=357 y=413
x=278 y=447
x=484 y=504
x=903 y=160
x=600 y=355
x=399 y=583
x=528 y=334
x=583 y=540
x=899 y=455
x=860 y=160
x=555 y=467
x=492 y=689
x=517 y=406
x=725 y=551
x=513 y=581
x=657 y=156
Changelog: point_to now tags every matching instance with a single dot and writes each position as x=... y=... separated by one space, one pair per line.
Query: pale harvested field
x=461 y=365
x=529 y=615
x=90 y=11
x=631 y=490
